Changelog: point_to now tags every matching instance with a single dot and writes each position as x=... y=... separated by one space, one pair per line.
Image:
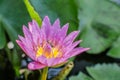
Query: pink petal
x=27 y=33
x=64 y=30
x=35 y=31
x=48 y=61
x=42 y=59
x=28 y=36
x=27 y=44
x=34 y=27
x=70 y=38
x=56 y=24
x=60 y=60
x=54 y=31
x=75 y=44
x=71 y=47
x=46 y=21
x=29 y=52
x=62 y=33
x=47 y=48
x=51 y=61
x=46 y=25
x=21 y=45
x=35 y=65
x=76 y=51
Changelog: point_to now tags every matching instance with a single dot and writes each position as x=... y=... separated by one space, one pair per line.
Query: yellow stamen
x=54 y=53
x=39 y=52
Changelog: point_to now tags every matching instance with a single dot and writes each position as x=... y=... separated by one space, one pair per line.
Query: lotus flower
x=48 y=45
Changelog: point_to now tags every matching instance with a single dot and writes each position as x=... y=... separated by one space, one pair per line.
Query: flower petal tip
x=87 y=49
x=46 y=18
x=17 y=41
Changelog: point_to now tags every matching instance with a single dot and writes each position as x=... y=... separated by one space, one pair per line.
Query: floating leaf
x=100 y=72
x=104 y=72
x=80 y=76
x=115 y=50
x=99 y=24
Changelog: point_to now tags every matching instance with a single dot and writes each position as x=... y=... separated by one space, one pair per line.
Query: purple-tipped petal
x=35 y=65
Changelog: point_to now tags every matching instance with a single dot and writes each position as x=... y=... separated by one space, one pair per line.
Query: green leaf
x=65 y=10
x=80 y=76
x=105 y=72
x=2 y=36
x=16 y=61
x=33 y=14
x=99 y=24
x=14 y=58
x=115 y=50
x=13 y=17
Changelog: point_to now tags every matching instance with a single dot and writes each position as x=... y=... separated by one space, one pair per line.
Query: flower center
x=48 y=52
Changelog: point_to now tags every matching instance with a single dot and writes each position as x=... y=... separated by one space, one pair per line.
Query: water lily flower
x=48 y=45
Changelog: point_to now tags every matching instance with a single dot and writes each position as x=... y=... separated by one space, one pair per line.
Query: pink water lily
x=48 y=45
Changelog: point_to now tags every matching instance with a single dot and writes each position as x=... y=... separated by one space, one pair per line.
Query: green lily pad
x=80 y=76
x=115 y=50
x=99 y=24
x=104 y=72
x=100 y=72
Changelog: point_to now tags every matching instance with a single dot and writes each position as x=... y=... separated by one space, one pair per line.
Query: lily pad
x=104 y=72
x=99 y=24
x=100 y=72
x=115 y=50
x=80 y=76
